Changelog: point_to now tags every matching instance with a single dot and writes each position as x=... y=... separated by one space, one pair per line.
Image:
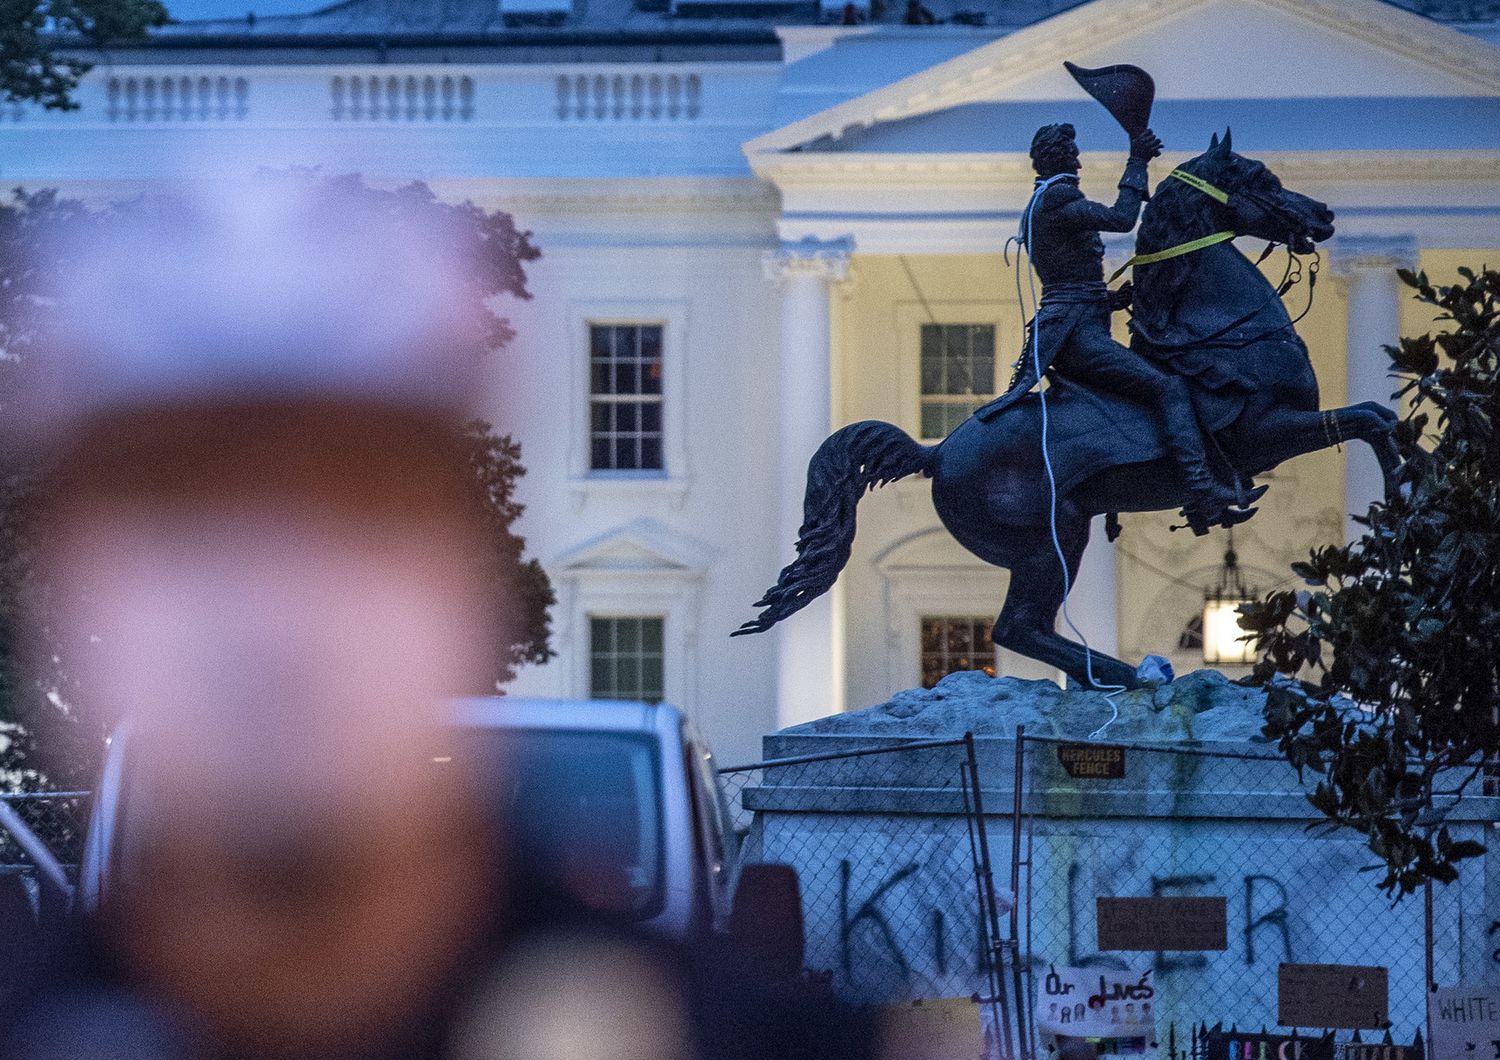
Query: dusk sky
x=190 y=9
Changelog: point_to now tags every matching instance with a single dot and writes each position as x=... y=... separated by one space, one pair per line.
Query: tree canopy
x=1384 y=676
x=33 y=70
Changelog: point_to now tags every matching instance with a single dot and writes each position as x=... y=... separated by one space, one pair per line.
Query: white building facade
x=756 y=228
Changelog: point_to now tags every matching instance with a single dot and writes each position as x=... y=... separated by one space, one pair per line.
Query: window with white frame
x=625 y=397
x=626 y=657
x=958 y=374
x=951 y=643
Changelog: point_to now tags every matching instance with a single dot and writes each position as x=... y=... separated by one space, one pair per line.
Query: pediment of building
x=643 y=546
x=1196 y=50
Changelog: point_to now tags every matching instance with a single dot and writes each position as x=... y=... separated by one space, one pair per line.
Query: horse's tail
x=857 y=458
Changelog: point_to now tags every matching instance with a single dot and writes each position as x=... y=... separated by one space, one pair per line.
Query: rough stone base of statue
x=1204 y=705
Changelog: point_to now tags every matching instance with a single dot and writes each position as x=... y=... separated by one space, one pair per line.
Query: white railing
x=628 y=97
x=397 y=98
x=177 y=98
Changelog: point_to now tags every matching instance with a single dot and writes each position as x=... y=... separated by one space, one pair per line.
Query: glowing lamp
x=1222 y=643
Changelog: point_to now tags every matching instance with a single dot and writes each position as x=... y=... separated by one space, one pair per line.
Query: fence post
x=991 y=909
x=1431 y=964
x=1015 y=890
x=48 y=865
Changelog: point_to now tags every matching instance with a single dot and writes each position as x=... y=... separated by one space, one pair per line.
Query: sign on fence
x=1244 y=1045
x=1465 y=1022
x=947 y=1027
x=1165 y=923
x=1348 y=996
x=1096 y=1003
x=1092 y=761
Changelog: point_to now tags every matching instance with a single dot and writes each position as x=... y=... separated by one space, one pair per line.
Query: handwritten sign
x=1381 y=1051
x=941 y=1027
x=1164 y=923
x=1096 y=1003
x=1465 y=1022
x=1245 y=1045
x=1092 y=761
x=1332 y=995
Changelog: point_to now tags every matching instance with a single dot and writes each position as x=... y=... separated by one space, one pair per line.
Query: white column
x=810 y=677
x=1093 y=603
x=1369 y=265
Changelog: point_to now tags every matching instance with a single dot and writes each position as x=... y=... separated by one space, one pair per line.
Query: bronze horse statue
x=1209 y=315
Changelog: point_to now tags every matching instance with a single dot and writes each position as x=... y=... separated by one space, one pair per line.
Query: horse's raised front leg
x=1283 y=433
x=1027 y=623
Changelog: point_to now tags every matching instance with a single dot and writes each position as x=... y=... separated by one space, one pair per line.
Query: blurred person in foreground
x=258 y=518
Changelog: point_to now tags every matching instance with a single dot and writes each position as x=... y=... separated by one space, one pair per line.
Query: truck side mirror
x=765 y=922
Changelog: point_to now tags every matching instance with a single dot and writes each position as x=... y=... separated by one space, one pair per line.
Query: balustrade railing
x=177 y=98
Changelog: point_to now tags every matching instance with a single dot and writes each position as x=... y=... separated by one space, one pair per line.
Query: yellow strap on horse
x=1191 y=245
x=1202 y=185
x=1173 y=252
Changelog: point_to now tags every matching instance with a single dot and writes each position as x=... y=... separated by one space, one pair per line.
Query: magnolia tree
x=43 y=707
x=1384 y=676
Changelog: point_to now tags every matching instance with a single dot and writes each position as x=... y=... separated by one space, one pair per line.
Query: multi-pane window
x=958 y=374
x=955 y=642
x=625 y=397
x=625 y=657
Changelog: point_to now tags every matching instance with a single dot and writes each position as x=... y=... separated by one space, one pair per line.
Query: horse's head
x=1258 y=205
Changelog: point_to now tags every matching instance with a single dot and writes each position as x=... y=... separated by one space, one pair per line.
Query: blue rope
x=1036 y=365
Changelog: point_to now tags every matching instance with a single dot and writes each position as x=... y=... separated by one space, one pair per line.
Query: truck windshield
x=583 y=810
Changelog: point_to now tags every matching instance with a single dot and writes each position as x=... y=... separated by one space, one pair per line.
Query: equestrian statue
x=1215 y=387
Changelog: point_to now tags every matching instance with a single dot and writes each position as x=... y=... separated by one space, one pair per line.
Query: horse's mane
x=1176 y=213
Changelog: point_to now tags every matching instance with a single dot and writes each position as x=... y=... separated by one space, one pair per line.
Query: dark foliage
x=1405 y=621
x=496 y=463
x=32 y=70
x=34 y=709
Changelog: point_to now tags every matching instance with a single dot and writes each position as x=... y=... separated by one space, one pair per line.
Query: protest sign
x=1096 y=1003
x=1465 y=1022
x=1347 y=996
x=1163 y=923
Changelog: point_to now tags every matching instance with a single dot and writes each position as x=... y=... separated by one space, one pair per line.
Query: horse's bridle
x=1178 y=250
x=1192 y=245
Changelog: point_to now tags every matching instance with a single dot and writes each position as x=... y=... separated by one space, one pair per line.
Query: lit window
x=625 y=397
x=958 y=374
x=955 y=642
x=625 y=656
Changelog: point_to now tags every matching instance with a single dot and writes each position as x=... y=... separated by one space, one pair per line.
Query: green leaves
x=31 y=71
x=1405 y=622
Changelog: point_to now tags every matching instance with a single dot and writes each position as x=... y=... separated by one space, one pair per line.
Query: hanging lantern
x=1222 y=635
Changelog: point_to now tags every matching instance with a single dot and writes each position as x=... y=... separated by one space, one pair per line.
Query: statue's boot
x=1210 y=501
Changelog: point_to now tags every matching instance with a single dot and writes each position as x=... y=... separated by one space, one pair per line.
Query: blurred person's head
x=258 y=515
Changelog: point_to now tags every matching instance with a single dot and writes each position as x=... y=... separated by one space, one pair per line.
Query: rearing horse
x=1208 y=314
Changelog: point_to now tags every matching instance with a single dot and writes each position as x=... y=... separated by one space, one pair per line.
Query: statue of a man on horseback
x=1214 y=354
x=1070 y=333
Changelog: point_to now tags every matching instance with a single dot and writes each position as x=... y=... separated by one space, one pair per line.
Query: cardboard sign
x=945 y=1027
x=1165 y=923
x=1096 y=1003
x=1381 y=1051
x=1244 y=1045
x=1092 y=761
x=1465 y=1022
x=1348 y=996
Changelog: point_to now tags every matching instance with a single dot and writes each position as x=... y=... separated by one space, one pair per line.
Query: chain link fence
x=57 y=820
x=1114 y=820
x=892 y=850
